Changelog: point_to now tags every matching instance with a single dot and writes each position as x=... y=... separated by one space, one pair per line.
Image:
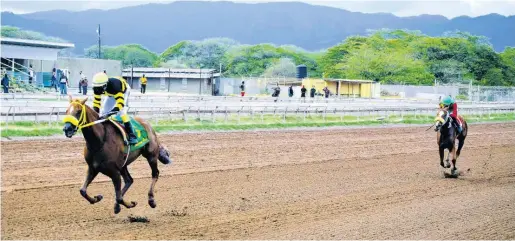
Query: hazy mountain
x=157 y=26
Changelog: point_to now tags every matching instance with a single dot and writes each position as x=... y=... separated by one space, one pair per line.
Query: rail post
x=226 y=115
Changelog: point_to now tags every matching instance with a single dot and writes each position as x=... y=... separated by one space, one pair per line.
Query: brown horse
x=104 y=152
x=446 y=137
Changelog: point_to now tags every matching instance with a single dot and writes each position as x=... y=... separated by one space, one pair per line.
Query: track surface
x=382 y=183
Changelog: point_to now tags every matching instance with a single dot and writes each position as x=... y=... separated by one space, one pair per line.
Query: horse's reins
x=81 y=123
x=438 y=118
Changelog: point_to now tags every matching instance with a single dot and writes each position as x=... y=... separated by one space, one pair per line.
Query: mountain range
x=157 y=26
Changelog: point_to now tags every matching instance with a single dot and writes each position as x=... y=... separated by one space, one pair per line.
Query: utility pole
x=200 y=89
x=99 y=52
x=132 y=75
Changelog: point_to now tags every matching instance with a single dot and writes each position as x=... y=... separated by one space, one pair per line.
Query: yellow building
x=345 y=87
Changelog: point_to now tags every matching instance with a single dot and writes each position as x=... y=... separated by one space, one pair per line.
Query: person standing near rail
x=143 y=83
x=242 y=88
x=5 y=81
x=31 y=74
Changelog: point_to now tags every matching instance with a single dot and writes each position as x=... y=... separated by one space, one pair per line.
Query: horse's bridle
x=441 y=120
x=81 y=122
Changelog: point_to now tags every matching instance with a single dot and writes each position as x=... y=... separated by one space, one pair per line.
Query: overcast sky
x=448 y=8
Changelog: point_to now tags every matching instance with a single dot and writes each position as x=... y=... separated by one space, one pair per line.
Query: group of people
x=312 y=92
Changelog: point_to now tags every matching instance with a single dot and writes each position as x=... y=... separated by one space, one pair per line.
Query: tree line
x=386 y=56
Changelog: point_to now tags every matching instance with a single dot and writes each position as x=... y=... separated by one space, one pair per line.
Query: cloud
x=448 y=8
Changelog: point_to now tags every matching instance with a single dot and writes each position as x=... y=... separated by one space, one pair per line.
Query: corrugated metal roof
x=349 y=80
x=166 y=70
x=35 y=43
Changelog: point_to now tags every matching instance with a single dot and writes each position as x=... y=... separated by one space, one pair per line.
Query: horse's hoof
x=152 y=203
x=133 y=204
x=99 y=198
x=117 y=209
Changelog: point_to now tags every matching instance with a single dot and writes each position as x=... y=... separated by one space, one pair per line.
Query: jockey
x=450 y=104
x=117 y=91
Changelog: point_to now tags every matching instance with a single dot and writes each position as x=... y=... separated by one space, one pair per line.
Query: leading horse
x=446 y=136
x=104 y=152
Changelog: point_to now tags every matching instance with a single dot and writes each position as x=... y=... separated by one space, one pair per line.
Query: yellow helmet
x=100 y=79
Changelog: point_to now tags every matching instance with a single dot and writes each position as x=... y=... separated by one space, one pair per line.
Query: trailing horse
x=106 y=151
x=446 y=136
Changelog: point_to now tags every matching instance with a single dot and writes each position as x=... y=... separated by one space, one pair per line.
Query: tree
x=14 y=32
x=284 y=67
x=130 y=54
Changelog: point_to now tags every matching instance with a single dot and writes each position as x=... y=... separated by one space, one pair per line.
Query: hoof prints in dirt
x=138 y=219
x=175 y=213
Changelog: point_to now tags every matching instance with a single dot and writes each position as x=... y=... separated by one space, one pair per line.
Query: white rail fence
x=42 y=114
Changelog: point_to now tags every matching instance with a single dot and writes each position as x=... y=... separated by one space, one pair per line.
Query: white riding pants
x=110 y=103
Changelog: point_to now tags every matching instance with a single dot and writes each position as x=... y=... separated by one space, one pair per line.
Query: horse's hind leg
x=460 y=145
x=441 y=151
x=117 y=182
x=127 y=179
x=155 y=175
x=92 y=173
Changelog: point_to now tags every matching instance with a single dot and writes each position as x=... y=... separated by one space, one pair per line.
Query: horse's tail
x=164 y=155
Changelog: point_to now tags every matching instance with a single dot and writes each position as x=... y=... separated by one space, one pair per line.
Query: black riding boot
x=130 y=132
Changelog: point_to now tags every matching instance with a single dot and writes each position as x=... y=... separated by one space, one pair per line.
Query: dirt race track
x=378 y=183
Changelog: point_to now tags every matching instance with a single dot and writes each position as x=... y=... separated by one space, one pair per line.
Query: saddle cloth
x=141 y=133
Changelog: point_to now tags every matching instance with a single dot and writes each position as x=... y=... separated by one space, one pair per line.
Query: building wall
x=89 y=67
x=366 y=90
x=350 y=89
x=408 y=91
x=174 y=85
x=318 y=83
x=74 y=65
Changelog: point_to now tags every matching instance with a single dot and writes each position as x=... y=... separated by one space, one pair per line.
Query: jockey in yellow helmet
x=117 y=91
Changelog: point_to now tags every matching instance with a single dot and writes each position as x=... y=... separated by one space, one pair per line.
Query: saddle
x=141 y=133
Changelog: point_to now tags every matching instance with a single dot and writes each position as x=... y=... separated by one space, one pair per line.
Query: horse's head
x=442 y=116
x=75 y=116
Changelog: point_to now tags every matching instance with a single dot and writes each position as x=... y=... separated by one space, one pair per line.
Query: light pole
x=99 y=52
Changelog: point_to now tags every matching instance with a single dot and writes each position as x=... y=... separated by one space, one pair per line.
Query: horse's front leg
x=92 y=173
x=155 y=175
x=127 y=179
x=441 y=151
x=117 y=182
x=453 y=158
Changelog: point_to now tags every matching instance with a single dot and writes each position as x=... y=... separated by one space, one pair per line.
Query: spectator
x=143 y=83
x=242 y=88
x=82 y=77
x=105 y=71
x=326 y=91
x=54 y=80
x=31 y=74
x=303 y=92
x=5 y=82
x=84 y=85
x=63 y=83
x=277 y=91
x=313 y=91
x=290 y=91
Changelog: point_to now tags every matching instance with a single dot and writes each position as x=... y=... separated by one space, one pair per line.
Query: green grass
x=31 y=129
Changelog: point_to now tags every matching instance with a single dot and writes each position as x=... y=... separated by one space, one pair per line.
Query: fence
x=215 y=113
x=461 y=92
